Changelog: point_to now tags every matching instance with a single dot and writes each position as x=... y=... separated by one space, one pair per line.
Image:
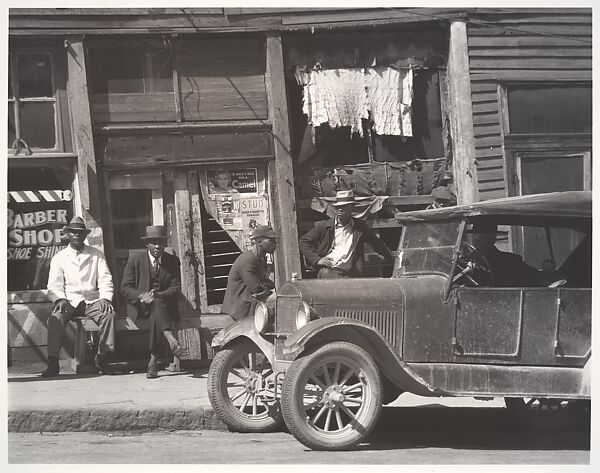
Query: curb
x=132 y=420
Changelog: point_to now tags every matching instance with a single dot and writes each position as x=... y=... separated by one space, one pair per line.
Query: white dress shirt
x=79 y=276
x=342 y=249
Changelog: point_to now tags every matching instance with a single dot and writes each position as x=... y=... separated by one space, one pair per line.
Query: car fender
x=390 y=364
x=243 y=329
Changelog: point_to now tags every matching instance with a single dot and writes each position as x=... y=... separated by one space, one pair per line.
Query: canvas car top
x=575 y=204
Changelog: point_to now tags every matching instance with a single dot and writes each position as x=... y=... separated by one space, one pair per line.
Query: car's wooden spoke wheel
x=241 y=387
x=332 y=396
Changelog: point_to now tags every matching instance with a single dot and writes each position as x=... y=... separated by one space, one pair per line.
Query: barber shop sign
x=35 y=220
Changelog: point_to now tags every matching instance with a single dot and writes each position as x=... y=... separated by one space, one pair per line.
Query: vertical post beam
x=79 y=106
x=184 y=240
x=282 y=173
x=461 y=116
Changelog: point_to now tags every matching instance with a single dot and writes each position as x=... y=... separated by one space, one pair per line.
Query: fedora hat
x=344 y=198
x=76 y=224
x=154 y=232
x=264 y=231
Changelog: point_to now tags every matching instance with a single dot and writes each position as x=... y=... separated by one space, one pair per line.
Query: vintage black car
x=449 y=322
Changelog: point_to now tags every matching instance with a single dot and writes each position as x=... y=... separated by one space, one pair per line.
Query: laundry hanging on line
x=344 y=97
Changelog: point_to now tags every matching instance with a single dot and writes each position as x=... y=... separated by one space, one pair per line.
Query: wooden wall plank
x=545 y=63
x=533 y=75
x=222 y=79
x=509 y=30
x=534 y=41
x=79 y=106
x=486 y=118
x=486 y=130
x=461 y=115
x=481 y=97
x=185 y=250
x=197 y=238
x=579 y=51
x=165 y=148
x=283 y=196
x=488 y=141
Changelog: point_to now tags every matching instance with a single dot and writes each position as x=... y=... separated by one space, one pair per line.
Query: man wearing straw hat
x=80 y=285
x=150 y=285
x=336 y=247
x=247 y=281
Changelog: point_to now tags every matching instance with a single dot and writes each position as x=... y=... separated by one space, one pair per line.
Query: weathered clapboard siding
x=143 y=107
x=513 y=45
x=222 y=79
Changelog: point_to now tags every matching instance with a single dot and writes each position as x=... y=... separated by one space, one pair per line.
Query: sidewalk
x=130 y=402
x=123 y=402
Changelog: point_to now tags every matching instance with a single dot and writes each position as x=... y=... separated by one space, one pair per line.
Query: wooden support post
x=282 y=191
x=185 y=250
x=461 y=116
x=79 y=106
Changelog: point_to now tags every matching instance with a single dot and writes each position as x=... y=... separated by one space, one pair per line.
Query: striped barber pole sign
x=22 y=197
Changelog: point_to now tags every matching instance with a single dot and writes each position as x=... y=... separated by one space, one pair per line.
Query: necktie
x=155 y=266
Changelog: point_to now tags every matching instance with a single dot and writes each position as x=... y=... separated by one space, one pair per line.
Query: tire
x=549 y=415
x=239 y=378
x=333 y=379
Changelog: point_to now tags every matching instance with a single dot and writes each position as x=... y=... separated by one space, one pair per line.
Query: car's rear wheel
x=548 y=414
x=241 y=388
x=332 y=396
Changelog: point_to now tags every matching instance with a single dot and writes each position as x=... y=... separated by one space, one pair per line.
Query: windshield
x=427 y=248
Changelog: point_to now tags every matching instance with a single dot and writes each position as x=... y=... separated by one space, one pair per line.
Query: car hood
x=347 y=292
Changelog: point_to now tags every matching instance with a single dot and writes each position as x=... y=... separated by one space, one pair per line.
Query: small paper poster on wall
x=254 y=212
x=228 y=211
x=232 y=181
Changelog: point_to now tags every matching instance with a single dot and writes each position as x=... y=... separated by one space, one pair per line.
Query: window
x=550 y=108
x=39 y=205
x=32 y=106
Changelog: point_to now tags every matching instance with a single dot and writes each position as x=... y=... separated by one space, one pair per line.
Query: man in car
x=504 y=269
x=336 y=247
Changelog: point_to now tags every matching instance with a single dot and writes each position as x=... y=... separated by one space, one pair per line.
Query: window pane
x=550 y=108
x=12 y=134
x=10 y=86
x=121 y=70
x=131 y=212
x=37 y=124
x=35 y=75
x=39 y=205
x=551 y=174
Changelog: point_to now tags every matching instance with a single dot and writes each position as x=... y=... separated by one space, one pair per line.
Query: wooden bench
x=86 y=332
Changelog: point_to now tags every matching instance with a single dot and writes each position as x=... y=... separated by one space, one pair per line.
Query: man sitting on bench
x=151 y=282
x=80 y=285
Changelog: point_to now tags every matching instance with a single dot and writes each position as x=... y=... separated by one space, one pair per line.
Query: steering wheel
x=473 y=266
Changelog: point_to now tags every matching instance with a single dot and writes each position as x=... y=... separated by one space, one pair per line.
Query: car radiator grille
x=383 y=320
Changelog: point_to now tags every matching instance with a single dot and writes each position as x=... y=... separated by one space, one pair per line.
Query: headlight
x=261 y=317
x=303 y=315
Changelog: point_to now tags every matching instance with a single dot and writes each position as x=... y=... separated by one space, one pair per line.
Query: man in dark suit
x=150 y=284
x=247 y=281
x=337 y=247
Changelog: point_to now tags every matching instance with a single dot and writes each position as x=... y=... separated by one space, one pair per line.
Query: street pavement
x=131 y=402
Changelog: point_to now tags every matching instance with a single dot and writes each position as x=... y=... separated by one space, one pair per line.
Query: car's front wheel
x=241 y=388
x=332 y=396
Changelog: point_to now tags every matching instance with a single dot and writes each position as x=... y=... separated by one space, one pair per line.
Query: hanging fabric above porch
x=390 y=94
x=337 y=97
x=344 y=97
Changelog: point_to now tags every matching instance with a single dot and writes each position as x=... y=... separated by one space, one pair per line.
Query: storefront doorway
x=209 y=212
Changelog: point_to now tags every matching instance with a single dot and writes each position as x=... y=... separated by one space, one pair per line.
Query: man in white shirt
x=336 y=247
x=80 y=285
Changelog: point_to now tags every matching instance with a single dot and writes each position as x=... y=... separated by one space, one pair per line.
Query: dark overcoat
x=137 y=279
x=246 y=277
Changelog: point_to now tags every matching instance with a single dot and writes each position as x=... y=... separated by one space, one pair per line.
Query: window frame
x=58 y=77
